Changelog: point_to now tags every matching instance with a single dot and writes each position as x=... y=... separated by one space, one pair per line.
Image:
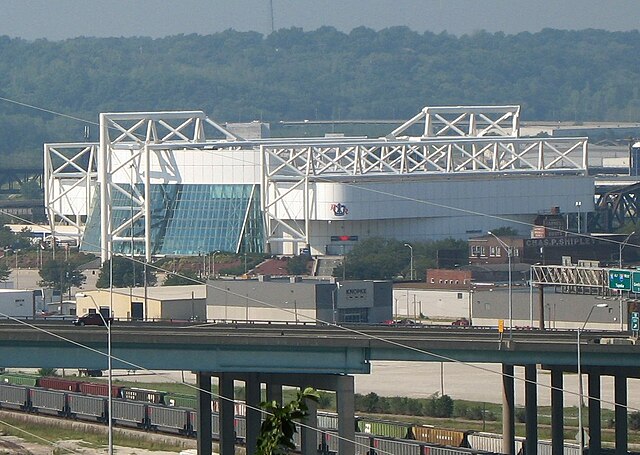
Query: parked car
x=92 y=319
x=462 y=322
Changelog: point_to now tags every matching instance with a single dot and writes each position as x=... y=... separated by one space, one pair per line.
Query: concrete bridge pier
x=343 y=385
x=595 y=426
x=308 y=433
x=346 y=414
x=274 y=391
x=203 y=382
x=227 y=414
x=508 y=410
x=620 y=398
x=254 y=421
x=557 y=412
x=531 y=408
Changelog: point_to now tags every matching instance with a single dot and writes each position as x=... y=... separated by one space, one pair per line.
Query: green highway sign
x=635 y=282
x=620 y=280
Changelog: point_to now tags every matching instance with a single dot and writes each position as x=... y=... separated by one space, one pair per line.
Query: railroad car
x=100 y=389
x=136 y=394
x=52 y=382
x=443 y=436
x=379 y=427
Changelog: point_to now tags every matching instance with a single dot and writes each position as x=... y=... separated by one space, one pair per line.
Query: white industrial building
x=177 y=183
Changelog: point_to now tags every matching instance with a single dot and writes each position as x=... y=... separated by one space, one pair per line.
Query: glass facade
x=186 y=220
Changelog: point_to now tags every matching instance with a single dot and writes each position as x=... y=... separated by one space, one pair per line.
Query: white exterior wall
x=75 y=201
x=16 y=303
x=434 y=207
x=432 y=303
x=409 y=208
x=255 y=313
x=193 y=167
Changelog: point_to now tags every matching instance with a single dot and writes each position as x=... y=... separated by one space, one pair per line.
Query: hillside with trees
x=323 y=74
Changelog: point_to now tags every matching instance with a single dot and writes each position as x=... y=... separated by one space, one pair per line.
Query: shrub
x=474 y=413
x=47 y=372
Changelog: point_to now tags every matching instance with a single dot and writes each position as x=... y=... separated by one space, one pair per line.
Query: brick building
x=448 y=279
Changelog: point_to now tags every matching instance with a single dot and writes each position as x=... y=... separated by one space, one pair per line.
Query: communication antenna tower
x=271 y=12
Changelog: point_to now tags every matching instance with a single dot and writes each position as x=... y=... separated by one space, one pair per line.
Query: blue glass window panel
x=187 y=220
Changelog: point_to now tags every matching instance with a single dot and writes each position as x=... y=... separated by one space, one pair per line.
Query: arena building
x=177 y=183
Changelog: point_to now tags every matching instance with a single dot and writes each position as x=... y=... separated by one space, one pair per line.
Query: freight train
x=154 y=410
x=150 y=410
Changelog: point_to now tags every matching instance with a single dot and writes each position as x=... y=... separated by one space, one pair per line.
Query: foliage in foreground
x=276 y=433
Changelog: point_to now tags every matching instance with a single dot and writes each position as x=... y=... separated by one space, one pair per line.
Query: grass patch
x=36 y=432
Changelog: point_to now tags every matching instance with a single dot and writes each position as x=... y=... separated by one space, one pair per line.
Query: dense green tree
x=182 y=279
x=297 y=265
x=242 y=76
x=15 y=241
x=385 y=259
x=505 y=231
x=5 y=271
x=61 y=274
x=30 y=190
x=126 y=273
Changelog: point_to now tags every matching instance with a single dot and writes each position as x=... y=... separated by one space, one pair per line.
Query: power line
x=264 y=303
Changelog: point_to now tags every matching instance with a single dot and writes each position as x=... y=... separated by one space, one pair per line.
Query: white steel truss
x=135 y=132
x=465 y=121
x=562 y=275
x=469 y=140
x=287 y=167
x=70 y=172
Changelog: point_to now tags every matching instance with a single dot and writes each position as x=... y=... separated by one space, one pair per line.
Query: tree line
x=322 y=74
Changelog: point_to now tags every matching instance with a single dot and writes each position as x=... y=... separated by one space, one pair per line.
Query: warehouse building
x=180 y=303
x=299 y=300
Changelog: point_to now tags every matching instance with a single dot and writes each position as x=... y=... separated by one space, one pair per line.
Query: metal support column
x=620 y=398
x=595 y=426
x=226 y=406
x=252 y=390
x=308 y=433
x=203 y=382
x=508 y=411
x=557 y=412
x=541 y=306
x=531 y=408
x=346 y=415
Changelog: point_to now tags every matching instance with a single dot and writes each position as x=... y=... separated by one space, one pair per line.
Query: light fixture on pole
x=509 y=251
x=107 y=324
x=333 y=301
x=213 y=263
x=622 y=245
x=411 y=265
x=620 y=302
x=578 y=206
x=580 y=388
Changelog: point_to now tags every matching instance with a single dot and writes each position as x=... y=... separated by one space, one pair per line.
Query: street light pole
x=509 y=251
x=213 y=263
x=578 y=206
x=622 y=245
x=107 y=324
x=580 y=388
x=411 y=265
x=620 y=303
x=333 y=301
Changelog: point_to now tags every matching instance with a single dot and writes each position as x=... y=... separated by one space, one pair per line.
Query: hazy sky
x=60 y=19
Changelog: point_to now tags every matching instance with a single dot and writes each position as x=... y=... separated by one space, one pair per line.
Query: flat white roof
x=198 y=291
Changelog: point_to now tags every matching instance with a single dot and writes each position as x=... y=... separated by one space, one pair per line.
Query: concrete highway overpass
x=325 y=356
